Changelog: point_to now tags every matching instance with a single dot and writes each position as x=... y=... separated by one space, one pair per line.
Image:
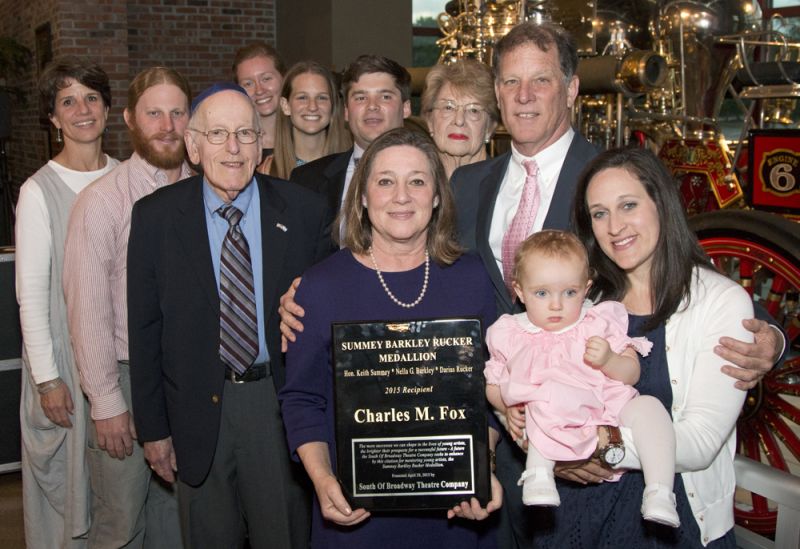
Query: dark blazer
x=476 y=186
x=325 y=176
x=177 y=376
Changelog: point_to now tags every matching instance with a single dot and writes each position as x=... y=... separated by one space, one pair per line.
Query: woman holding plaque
x=400 y=261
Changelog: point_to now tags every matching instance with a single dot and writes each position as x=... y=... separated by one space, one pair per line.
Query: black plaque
x=411 y=429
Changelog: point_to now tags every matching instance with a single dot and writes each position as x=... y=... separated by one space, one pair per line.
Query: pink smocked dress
x=565 y=399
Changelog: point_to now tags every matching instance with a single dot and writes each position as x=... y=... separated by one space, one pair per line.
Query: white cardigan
x=705 y=403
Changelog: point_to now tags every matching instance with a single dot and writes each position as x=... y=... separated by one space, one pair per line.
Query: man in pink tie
x=503 y=200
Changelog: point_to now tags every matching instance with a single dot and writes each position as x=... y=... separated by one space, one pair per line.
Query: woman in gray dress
x=53 y=419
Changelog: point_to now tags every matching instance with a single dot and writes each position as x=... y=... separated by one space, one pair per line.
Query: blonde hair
x=153 y=77
x=466 y=76
x=337 y=138
x=550 y=243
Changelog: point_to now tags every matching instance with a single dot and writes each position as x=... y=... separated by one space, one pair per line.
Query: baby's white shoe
x=539 y=487
x=658 y=505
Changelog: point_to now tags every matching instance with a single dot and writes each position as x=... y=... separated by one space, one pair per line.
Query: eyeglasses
x=219 y=136
x=472 y=111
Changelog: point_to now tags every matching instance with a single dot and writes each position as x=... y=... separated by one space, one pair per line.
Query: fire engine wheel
x=762 y=252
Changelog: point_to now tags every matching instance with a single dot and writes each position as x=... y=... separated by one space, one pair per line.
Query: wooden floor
x=11 y=531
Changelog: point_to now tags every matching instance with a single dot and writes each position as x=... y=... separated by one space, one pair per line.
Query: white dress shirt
x=351 y=169
x=550 y=161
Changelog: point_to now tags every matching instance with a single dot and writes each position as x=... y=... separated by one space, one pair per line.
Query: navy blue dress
x=342 y=289
x=608 y=515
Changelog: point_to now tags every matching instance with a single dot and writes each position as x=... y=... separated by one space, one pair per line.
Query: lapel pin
x=281 y=226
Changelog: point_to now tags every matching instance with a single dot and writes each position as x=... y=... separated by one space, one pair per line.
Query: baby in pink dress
x=573 y=365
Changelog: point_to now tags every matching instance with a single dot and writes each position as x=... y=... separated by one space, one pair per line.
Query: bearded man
x=127 y=504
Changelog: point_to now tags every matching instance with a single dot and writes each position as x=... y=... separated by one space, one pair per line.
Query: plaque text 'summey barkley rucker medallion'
x=411 y=429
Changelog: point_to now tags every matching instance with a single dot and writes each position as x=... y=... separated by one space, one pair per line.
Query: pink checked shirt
x=95 y=271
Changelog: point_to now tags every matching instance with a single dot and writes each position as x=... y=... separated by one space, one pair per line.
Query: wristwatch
x=613 y=452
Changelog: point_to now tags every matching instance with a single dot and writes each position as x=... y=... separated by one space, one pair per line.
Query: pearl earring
x=59 y=138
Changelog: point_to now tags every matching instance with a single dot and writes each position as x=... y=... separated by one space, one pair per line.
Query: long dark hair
x=677 y=251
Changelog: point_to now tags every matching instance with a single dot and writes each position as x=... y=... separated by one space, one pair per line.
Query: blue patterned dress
x=608 y=515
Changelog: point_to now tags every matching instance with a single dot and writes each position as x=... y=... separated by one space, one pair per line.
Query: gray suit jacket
x=476 y=187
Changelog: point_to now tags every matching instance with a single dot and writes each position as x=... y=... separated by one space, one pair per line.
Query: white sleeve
x=706 y=404
x=33 y=255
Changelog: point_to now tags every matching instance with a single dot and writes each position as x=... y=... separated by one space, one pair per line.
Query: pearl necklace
x=389 y=292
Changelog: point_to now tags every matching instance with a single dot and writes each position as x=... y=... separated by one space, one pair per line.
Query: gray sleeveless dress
x=56 y=510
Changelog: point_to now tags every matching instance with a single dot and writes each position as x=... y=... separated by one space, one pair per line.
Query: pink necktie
x=522 y=224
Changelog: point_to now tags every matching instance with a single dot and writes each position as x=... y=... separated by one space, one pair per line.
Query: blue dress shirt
x=249 y=203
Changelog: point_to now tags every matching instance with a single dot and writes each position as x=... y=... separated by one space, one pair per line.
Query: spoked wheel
x=762 y=252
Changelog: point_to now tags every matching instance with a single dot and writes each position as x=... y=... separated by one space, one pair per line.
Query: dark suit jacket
x=177 y=376
x=476 y=186
x=325 y=176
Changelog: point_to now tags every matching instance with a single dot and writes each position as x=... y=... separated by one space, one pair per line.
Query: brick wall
x=28 y=147
x=98 y=30
x=196 y=37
